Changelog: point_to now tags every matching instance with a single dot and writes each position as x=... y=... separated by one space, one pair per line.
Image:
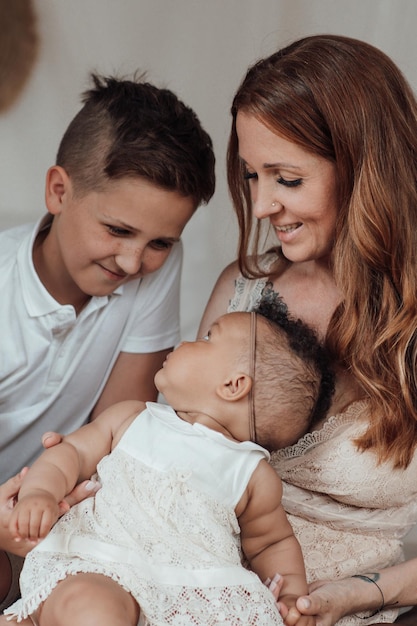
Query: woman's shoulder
x=265 y=262
x=234 y=292
x=229 y=274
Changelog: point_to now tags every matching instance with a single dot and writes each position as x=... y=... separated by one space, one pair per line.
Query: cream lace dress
x=163 y=526
x=348 y=512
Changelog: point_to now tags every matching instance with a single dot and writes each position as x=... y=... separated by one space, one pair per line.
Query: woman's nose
x=265 y=208
x=264 y=204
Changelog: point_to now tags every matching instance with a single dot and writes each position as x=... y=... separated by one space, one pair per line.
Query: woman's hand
x=289 y=614
x=328 y=601
x=8 y=495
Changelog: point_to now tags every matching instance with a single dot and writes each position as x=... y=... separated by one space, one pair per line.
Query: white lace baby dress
x=348 y=512
x=163 y=526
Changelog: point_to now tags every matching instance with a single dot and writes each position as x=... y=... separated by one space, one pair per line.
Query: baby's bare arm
x=268 y=540
x=57 y=471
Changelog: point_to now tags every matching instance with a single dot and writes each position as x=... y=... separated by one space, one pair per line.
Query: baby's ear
x=235 y=387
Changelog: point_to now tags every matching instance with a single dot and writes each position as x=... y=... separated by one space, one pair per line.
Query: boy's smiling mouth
x=111 y=274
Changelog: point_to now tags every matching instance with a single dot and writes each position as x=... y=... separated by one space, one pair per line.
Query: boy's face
x=193 y=371
x=106 y=238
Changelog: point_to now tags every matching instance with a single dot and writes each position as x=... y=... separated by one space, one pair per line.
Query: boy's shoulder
x=11 y=238
x=14 y=245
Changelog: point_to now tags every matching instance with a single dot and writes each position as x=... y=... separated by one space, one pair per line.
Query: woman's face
x=295 y=189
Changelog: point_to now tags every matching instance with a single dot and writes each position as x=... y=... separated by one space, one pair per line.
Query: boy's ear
x=235 y=387
x=57 y=184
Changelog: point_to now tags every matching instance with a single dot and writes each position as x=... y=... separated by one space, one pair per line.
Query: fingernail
x=272 y=585
x=305 y=603
x=92 y=485
x=276 y=578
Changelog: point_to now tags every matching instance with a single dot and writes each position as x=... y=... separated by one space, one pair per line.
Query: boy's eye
x=161 y=244
x=117 y=231
x=289 y=183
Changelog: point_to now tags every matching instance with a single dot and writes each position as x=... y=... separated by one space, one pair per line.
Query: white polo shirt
x=54 y=365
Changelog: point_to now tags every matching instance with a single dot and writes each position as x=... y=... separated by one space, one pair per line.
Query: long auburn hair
x=346 y=101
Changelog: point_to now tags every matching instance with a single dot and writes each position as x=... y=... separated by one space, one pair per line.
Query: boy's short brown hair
x=130 y=128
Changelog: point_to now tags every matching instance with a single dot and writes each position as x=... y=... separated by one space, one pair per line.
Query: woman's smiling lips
x=288 y=228
x=285 y=233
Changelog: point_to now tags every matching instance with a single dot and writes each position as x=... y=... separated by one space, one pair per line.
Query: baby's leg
x=89 y=599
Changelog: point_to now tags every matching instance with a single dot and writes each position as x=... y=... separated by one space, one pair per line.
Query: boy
x=90 y=296
x=161 y=539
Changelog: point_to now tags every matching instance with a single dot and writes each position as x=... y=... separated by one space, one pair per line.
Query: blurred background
x=198 y=48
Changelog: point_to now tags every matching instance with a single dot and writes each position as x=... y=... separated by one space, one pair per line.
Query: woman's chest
x=309 y=296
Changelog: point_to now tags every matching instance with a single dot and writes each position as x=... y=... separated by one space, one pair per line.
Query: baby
x=187 y=490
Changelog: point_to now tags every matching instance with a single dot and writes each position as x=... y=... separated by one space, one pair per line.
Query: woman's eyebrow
x=282 y=165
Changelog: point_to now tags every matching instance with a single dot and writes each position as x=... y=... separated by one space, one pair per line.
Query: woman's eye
x=289 y=183
x=250 y=175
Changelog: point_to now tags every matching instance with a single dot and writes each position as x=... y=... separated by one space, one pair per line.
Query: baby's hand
x=33 y=516
x=275 y=585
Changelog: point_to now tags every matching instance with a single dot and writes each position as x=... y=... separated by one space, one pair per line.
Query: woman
x=323 y=147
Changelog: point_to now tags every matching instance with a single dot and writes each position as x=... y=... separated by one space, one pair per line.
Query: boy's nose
x=130 y=261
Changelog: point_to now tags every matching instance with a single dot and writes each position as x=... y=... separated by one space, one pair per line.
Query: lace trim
x=173 y=605
x=249 y=292
x=353 y=414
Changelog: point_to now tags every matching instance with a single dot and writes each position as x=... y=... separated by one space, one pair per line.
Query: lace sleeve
x=248 y=292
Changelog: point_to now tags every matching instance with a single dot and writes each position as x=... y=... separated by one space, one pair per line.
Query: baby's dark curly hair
x=294 y=382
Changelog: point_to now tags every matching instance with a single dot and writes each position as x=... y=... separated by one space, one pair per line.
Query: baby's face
x=193 y=371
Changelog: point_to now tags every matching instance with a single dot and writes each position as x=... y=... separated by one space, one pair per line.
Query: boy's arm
x=267 y=537
x=57 y=470
x=132 y=378
x=220 y=298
